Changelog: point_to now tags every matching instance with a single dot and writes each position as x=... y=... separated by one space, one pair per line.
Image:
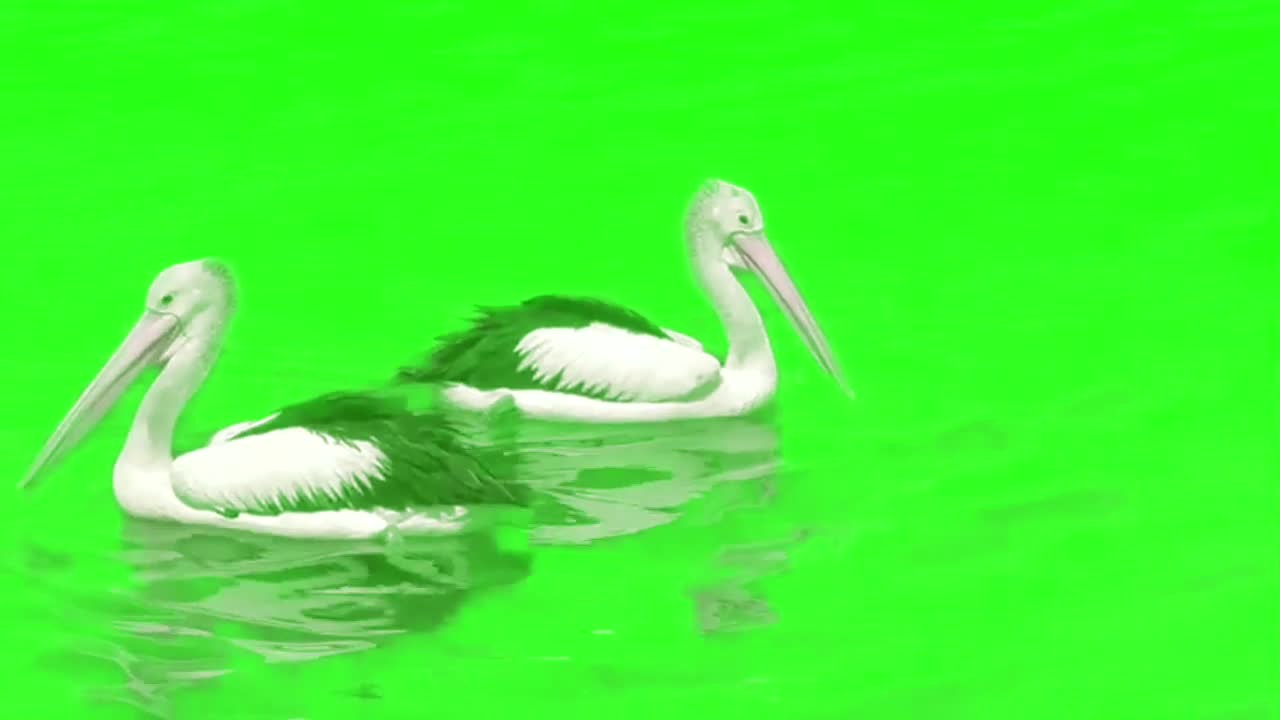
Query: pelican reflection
x=594 y=482
x=204 y=595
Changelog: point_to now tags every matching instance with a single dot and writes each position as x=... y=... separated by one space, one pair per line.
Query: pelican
x=345 y=465
x=586 y=360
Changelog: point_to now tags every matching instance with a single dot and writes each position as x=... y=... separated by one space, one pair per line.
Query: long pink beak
x=143 y=347
x=759 y=255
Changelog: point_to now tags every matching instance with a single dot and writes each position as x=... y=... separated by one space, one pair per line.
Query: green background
x=1040 y=236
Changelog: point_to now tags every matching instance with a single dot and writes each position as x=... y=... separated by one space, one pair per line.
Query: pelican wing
x=572 y=345
x=339 y=452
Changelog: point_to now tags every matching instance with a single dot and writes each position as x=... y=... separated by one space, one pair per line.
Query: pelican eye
x=166 y=300
x=744 y=219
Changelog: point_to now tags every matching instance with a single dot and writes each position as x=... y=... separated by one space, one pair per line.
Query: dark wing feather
x=484 y=354
x=339 y=410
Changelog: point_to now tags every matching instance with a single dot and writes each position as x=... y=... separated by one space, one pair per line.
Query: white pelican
x=577 y=359
x=345 y=465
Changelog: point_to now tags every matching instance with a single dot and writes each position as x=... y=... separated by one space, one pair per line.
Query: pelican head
x=186 y=308
x=725 y=224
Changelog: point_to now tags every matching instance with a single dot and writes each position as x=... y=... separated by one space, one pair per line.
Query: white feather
x=229 y=433
x=625 y=366
x=683 y=339
x=276 y=467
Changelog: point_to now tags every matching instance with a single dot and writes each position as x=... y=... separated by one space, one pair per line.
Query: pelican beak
x=758 y=255
x=144 y=347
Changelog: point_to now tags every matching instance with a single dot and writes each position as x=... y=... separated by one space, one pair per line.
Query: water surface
x=1041 y=240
